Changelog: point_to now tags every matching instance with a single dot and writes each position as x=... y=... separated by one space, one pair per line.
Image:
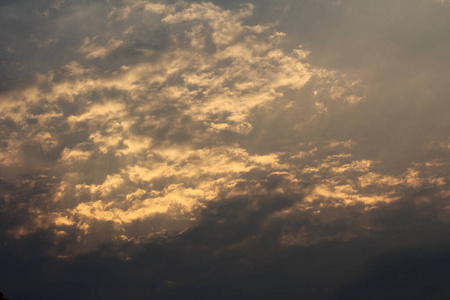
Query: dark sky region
x=282 y=149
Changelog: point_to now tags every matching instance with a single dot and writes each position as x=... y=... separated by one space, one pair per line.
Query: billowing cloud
x=155 y=131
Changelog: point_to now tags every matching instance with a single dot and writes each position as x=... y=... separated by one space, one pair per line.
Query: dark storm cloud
x=212 y=260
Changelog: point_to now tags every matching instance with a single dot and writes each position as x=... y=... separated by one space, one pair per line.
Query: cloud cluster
x=120 y=140
x=183 y=148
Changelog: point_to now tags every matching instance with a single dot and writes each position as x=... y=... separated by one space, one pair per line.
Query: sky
x=225 y=149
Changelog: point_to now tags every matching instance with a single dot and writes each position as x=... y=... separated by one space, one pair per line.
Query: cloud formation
x=161 y=135
x=193 y=128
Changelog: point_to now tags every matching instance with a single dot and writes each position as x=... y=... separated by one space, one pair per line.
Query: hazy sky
x=284 y=149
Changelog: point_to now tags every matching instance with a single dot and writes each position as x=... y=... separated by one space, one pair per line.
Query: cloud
x=440 y=1
x=155 y=125
x=91 y=50
x=193 y=139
